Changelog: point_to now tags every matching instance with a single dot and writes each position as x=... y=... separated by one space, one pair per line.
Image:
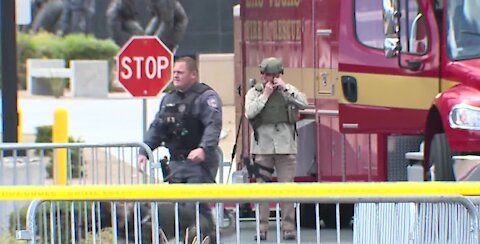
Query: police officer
x=188 y=123
x=271 y=107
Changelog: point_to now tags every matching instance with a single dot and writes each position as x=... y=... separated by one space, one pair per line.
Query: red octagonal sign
x=144 y=66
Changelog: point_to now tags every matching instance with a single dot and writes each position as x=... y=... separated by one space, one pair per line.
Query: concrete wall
x=217 y=70
x=89 y=78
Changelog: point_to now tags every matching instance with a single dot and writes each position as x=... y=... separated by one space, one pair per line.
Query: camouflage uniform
x=274 y=145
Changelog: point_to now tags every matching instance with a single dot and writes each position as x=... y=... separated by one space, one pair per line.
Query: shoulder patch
x=212 y=102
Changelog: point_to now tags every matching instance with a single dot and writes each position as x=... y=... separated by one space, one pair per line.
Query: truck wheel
x=441 y=158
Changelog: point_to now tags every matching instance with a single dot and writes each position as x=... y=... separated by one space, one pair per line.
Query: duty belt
x=168 y=173
x=178 y=157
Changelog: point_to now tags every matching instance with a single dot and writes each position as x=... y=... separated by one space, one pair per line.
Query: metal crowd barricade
x=432 y=219
x=378 y=218
x=128 y=223
x=86 y=164
x=75 y=215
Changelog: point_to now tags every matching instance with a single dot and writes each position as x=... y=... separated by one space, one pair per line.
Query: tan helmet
x=271 y=65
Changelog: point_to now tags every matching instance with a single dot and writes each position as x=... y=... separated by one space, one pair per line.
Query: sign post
x=8 y=72
x=144 y=68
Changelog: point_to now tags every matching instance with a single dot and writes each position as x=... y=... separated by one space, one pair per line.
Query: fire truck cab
x=381 y=78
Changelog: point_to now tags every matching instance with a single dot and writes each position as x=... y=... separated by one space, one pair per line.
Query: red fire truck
x=381 y=77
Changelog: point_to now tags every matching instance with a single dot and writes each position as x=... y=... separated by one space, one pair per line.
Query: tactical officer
x=271 y=108
x=188 y=123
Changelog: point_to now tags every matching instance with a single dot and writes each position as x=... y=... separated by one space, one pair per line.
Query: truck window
x=463 y=29
x=369 y=25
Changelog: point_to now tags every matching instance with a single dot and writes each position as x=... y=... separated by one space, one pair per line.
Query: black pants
x=188 y=172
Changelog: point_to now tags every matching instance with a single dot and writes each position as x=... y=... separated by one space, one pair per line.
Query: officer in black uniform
x=188 y=123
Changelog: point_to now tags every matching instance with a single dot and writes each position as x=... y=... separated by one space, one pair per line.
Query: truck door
x=379 y=94
x=326 y=75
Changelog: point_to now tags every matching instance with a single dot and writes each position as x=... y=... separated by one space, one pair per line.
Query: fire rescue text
x=274 y=30
x=272 y=3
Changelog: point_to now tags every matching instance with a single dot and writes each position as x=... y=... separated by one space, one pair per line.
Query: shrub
x=81 y=46
x=47 y=45
x=25 y=50
x=44 y=134
x=44 y=45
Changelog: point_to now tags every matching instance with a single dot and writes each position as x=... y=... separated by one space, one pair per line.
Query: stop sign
x=144 y=66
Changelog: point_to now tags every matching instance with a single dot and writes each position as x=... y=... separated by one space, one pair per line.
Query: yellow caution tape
x=242 y=192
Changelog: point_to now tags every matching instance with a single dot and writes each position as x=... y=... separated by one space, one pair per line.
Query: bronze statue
x=46 y=15
x=169 y=22
x=121 y=21
x=75 y=16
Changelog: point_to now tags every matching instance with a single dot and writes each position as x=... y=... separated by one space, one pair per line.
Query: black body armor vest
x=182 y=131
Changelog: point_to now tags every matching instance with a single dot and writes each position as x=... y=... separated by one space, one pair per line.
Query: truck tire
x=441 y=158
